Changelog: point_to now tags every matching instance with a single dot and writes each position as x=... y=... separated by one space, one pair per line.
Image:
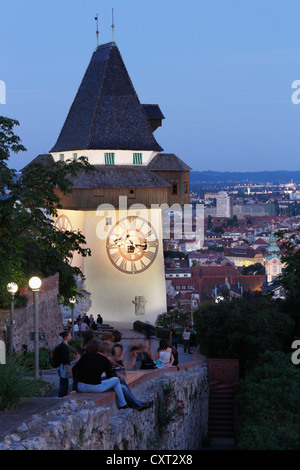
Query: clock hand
x=144 y=246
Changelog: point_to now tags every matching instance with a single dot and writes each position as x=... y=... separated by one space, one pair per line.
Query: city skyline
x=221 y=74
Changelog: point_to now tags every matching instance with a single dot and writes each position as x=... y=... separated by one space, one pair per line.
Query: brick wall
x=224 y=370
x=50 y=317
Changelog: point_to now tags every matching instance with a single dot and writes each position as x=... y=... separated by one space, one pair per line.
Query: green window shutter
x=61 y=157
x=137 y=159
x=109 y=158
x=75 y=157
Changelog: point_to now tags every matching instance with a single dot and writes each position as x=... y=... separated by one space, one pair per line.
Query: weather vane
x=113 y=26
x=97 y=32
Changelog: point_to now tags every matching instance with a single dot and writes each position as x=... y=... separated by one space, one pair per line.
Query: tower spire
x=97 y=32
x=113 y=26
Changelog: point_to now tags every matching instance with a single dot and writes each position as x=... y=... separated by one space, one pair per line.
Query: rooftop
x=106 y=112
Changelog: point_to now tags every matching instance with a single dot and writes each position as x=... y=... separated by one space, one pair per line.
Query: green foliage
x=290 y=277
x=29 y=242
x=144 y=327
x=256 y=268
x=268 y=405
x=44 y=359
x=13 y=383
x=170 y=408
x=174 y=317
x=242 y=328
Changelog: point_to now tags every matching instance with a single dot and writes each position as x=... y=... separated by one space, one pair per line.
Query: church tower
x=273 y=259
x=117 y=205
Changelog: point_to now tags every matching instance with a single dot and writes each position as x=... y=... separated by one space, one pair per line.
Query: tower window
x=62 y=157
x=109 y=158
x=174 y=188
x=75 y=157
x=137 y=158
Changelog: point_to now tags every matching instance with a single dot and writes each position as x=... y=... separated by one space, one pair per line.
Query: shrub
x=144 y=327
x=269 y=415
x=13 y=383
x=44 y=359
x=169 y=319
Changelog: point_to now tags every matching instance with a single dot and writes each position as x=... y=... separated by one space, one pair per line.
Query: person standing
x=186 y=340
x=174 y=337
x=64 y=371
x=2 y=348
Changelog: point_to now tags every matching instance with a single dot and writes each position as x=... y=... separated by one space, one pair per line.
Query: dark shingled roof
x=119 y=176
x=45 y=159
x=167 y=162
x=153 y=111
x=110 y=176
x=106 y=112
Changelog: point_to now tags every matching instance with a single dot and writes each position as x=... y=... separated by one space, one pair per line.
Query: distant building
x=254 y=210
x=224 y=204
x=243 y=256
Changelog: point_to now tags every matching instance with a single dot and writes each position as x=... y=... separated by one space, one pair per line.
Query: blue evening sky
x=221 y=71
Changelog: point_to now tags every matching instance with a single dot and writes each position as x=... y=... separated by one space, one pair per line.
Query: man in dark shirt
x=88 y=371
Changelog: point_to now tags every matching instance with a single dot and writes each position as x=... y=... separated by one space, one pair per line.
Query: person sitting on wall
x=89 y=369
x=118 y=368
x=164 y=355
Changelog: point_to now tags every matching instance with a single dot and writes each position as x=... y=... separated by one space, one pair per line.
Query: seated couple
x=93 y=373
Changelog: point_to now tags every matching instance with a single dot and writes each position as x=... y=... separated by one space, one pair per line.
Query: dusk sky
x=220 y=70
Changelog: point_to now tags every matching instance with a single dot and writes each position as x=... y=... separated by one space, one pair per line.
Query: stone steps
x=221 y=420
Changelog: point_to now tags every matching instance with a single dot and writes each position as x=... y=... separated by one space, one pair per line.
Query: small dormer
x=154 y=115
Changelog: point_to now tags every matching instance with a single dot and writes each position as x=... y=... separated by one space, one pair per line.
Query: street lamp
x=219 y=299
x=72 y=302
x=12 y=288
x=35 y=284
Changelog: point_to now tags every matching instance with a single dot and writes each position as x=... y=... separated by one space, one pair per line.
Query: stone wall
x=80 y=424
x=50 y=317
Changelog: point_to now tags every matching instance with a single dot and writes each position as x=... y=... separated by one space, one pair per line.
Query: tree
x=242 y=328
x=290 y=277
x=27 y=209
x=256 y=268
x=174 y=317
x=268 y=411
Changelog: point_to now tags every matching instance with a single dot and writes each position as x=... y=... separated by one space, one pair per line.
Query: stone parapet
x=83 y=421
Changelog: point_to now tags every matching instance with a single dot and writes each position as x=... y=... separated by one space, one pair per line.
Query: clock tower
x=118 y=204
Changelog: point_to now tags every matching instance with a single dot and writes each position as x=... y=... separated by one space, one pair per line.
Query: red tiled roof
x=260 y=241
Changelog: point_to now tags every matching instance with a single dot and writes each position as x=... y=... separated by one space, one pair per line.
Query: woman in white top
x=164 y=353
x=2 y=348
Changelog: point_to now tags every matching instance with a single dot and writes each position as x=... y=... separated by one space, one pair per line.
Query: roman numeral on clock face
x=149 y=255
x=115 y=256
x=123 y=264
x=133 y=266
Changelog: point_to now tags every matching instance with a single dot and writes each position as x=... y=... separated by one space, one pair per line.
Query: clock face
x=132 y=244
x=63 y=223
